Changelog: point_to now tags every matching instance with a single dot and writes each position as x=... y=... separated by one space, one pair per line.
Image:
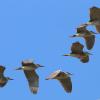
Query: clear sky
x=40 y=30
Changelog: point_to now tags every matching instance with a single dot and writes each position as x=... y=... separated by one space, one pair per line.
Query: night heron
x=29 y=70
x=77 y=51
x=3 y=79
x=89 y=36
x=63 y=78
x=94 y=18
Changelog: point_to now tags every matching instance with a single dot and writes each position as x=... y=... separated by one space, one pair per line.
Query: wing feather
x=90 y=40
x=67 y=84
x=77 y=48
x=94 y=13
x=33 y=80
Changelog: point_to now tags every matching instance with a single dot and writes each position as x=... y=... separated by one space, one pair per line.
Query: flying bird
x=89 y=36
x=3 y=79
x=77 y=51
x=63 y=78
x=32 y=77
x=94 y=18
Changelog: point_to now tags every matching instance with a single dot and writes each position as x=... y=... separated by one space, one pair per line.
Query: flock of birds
x=64 y=78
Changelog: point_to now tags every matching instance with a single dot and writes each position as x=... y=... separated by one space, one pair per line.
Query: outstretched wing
x=98 y=28
x=90 y=40
x=2 y=69
x=33 y=80
x=94 y=13
x=77 y=47
x=81 y=29
x=53 y=75
x=67 y=84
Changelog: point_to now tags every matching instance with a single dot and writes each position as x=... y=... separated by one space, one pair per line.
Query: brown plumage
x=63 y=78
x=77 y=48
x=77 y=51
x=3 y=79
x=29 y=70
x=33 y=80
x=89 y=36
x=95 y=16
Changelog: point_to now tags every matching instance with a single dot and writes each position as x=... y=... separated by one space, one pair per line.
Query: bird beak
x=41 y=66
x=72 y=36
x=20 y=68
x=66 y=55
x=10 y=78
x=88 y=23
x=90 y=53
x=48 y=78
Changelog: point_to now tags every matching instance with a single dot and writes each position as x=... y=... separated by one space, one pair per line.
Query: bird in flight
x=94 y=18
x=63 y=78
x=89 y=36
x=77 y=51
x=3 y=79
x=32 y=77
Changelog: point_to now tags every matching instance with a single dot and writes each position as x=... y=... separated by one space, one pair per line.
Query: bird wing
x=81 y=29
x=67 y=84
x=94 y=13
x=77 y=47
x=98 y=28
x=85 y=59
x=33 y=80
x=53 y=75
x=90 y=40
x=2 y=84
x=2 y=69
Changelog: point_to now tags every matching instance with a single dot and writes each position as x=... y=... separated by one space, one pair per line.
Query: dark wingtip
x=34 y=90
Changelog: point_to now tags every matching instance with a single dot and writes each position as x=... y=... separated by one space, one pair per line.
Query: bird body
x=3 y=79
x=89 y=36
x=29 y=70
x=63 y=78
x=77 y=51
x=94 y=18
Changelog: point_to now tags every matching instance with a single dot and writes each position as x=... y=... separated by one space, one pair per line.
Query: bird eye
x=59 y=75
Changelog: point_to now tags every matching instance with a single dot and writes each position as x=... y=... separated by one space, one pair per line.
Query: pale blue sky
x=40 y=30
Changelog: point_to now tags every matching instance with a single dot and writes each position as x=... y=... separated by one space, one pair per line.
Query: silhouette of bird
x=3 y=79
x=87 y=35
x=94 y=18
x=29 y=70
x=77 y=51
x=63 y=78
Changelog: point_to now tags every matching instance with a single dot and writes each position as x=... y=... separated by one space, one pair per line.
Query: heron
x=3 y=80
x=32 y=77
x=77 y=51
x=94 y=18
x=89 y=36
x=64 y=78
